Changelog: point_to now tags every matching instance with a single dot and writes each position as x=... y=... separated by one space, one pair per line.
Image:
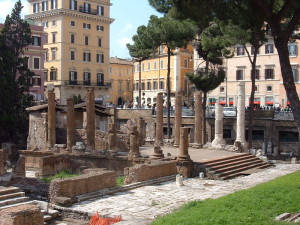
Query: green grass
x=256 y=206
x=61 y=174
x=120 y=180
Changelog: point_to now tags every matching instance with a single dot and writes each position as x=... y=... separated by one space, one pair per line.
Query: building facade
x=269 y=90
x=77 y=45
x=154 y=76
x=121 y=78
x=34 y=55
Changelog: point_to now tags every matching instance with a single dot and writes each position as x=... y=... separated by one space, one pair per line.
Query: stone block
x=283 y=216
x=63 y=200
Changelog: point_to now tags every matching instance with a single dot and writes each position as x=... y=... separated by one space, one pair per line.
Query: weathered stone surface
x=70 y=124
x=198 y=136
x=178 y=118
x=240 y=123
x=51 y=119
x=155 y=169
x=158 y=153
x=90 y=111
x=50 y=165
x=2 y=168
x=134 y=145
x=184 y=163
x=141 y=130
x=219 y=140
x=37 y=136
x=27 y=214
x=159 y=120
x=112 y=138
x=19 y=169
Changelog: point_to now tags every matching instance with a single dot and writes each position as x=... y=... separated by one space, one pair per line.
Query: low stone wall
x=33 y=158
x=2 y=169
x=83 y=184
x=152 y=170
x=51 y=165
x=101 y=139
x=28 y=214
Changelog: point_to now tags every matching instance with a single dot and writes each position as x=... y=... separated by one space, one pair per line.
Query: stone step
x=13 y=201
x=248 y=160
x=12 y=195
x=16 y=204
x=9 y=190
x=226 y=160
x=233 y=167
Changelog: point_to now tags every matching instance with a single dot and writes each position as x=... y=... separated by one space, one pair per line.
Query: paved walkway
x=140 y=206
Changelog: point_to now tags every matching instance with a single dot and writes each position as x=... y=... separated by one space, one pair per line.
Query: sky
x=128 y=15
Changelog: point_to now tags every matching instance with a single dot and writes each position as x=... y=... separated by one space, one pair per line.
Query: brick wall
x=51 y=165
x=83 y=184
x=27 y=214
x=155 y=169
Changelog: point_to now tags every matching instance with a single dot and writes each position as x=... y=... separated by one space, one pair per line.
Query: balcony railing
x=88 y=11
x=87 y=83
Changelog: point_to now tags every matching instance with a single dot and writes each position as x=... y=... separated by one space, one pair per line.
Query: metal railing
x=88 y=11
x=87 y=83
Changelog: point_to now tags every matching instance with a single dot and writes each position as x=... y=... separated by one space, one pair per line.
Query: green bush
x=120 y=180
x=61 y=174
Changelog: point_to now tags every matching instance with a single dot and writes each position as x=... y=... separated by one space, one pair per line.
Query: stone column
x=159 y=120
x=198 y=133
x=141 y=130
x=184 y=163
x=112 y=138
x=240 y=123
x=51 y=119
x=158 y=153
x=134 y=146
x=218 y=140
x=70 y=124
x=178 y=117
x=90 y=113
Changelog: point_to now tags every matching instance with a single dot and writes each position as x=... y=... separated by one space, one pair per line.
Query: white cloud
x=127 y=27
x=123 y=41
x=6 y=7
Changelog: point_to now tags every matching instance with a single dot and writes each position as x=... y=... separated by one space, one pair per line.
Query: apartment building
x=121 y=78
x=34 y=55
x=154 y=75
x=77 y=45
x=269 y=90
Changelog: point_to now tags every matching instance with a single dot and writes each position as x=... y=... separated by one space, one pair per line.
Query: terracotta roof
x=115 y=60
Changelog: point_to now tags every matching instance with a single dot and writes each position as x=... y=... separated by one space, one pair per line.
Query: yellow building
x=154 y=76
x=121 y=77
x=77 y=46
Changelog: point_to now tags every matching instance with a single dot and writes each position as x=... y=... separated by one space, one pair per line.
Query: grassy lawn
x=256 y=206
x=61 y=174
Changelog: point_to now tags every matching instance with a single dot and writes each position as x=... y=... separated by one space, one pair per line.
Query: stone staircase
x=14 y=196
x=233 y=166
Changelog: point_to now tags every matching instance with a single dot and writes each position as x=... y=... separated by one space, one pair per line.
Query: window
x=100 y=28
x=53 y=53
x=252 y=50
x=35 y=7
x=53 y=4
x=86 y=57
x=161 y=85
x=256 y=74
x=86 y=40
x=53 y=74
x=149 y=85
x=110 y=70
x=128 y=85
x=186 y=63
x=100 y=58
x=269 y=73
x=72 y=52
x=120 y=86
x=258 y=135
x=222 y=89
x=72 y=38
x=73 y=4
x=26 y=61
x=86 y=7
x=154 y=85
x=143 y=67
x=269 y=49
x=36 y=41
x=226 y=133
x=46 y=55
x=72 y=23
x=44 y=5
x=100 y=79
x=136 y=86
x=36 y=81
x=161 y=64
x=86 y=78
x=240 y=75
x=288 y=136
x=86 y=26
x=240 y=50
x=292 y=49
x=53 y=37
x=73 y=78
x=256 y=88
x=99 y=42
x=53 y=23
x=295 y=73
x=143 y=85
x=154 y=65
x=45 y=24
x=269 y=88
x=36 y=63
x=100 y=10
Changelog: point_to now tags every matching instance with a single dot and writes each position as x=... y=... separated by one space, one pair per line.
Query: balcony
x=87 y=83
x=87 y=10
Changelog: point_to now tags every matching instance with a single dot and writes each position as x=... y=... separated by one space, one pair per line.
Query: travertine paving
x=140 y=206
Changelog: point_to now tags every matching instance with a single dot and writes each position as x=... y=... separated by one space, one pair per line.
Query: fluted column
x=159 y=120
x=240 y=123
x=178 y=117
x=198 y=133
x=218 y=140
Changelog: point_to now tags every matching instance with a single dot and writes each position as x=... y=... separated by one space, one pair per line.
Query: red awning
x=212 y=103
x=269 y=102
x=230 y=103
x=222 y=103
x=288 y=103
x=255 y=103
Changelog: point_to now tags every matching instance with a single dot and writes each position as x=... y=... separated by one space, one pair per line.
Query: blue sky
x=128 y=15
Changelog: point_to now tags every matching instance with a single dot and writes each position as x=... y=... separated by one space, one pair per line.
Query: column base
x=185 y=167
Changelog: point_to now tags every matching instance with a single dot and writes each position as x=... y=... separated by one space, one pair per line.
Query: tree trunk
x=204 y=137
x=140 y=85
x=168 y=95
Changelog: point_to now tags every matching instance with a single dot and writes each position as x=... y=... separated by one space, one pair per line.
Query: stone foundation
x=155 y=169
x=27 y=214
x=51 y=165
